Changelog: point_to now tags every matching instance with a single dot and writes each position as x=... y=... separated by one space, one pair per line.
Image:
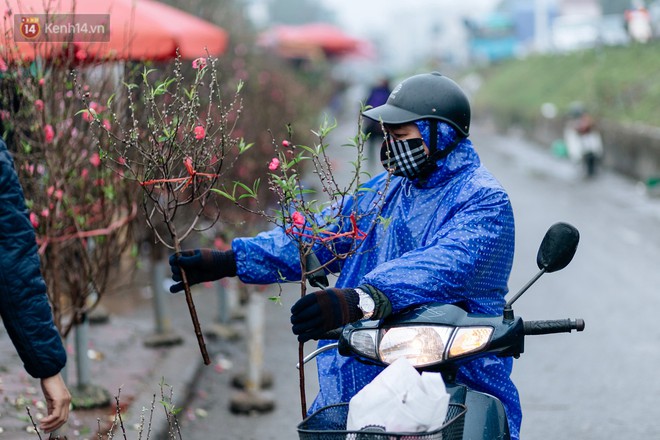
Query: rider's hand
x=58 y=400
x=316 y=313
x=201 y=265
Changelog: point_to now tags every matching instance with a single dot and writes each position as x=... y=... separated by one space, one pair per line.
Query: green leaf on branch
x=162 y=87
x=224 y=194
x=243 y=147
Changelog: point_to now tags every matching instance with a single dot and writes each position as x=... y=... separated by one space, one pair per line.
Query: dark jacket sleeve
x=24 y=305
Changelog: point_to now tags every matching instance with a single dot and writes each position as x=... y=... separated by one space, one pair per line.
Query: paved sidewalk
x=120 y=363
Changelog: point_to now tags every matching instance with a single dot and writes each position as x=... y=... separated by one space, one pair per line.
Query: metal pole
x=164 y=335
x=224 y=314
x=82 y=360
x=162 y=316
x=255 y=327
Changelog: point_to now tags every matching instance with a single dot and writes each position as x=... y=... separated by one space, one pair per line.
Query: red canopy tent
x=138 y=30
x=309 y=40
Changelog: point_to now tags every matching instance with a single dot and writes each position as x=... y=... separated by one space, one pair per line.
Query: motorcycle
x=439 y=338
x=584 y=142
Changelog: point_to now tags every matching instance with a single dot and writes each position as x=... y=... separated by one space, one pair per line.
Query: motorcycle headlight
x=421 y=345
x=469 y=339
x=363 y=342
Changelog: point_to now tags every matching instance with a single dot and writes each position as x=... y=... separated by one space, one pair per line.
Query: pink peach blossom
x=45 y=212
x=298 y=219
x=42 y=81
x=49 y=133
x=34 y=219
x=95 y=160
x=199 y=63
x=274 y=164
x=286 y=143
x=39 y=105
x=106 y=124
x=200 y=132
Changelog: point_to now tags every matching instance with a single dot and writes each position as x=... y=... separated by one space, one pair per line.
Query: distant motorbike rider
x=583 y=141
x=449 y=238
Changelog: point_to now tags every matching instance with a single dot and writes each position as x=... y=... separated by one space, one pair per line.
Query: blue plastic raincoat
x=450 y=238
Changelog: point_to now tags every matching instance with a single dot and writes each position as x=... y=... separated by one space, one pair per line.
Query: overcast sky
x=361 y=16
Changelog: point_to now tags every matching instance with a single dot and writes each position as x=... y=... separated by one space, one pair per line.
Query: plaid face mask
x=405 y=158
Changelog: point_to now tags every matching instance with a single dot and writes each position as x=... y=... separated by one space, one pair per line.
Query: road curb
x=177 y=373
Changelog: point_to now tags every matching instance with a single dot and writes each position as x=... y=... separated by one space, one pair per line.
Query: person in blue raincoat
x=450 y=238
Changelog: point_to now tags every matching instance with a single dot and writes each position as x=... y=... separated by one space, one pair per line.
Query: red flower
x=298 y=219
x=95 y=160
x=286 y=143
x=200 y=132
x=39 y=105
x=274 y=164
x=199 y=63
x=49 y=133
x=34 y=220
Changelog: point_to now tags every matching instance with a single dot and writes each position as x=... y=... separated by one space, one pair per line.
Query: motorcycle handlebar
x=553 y=326
x=333 y=334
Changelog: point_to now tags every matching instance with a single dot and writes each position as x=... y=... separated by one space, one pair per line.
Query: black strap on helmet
x=434 y=154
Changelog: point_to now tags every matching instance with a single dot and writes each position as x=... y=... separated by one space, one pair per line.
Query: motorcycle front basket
x=329 y=423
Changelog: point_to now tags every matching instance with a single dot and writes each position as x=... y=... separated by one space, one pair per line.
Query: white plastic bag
x=399 y=399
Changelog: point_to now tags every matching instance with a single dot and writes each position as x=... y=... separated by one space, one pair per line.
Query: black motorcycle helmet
x=425 y=96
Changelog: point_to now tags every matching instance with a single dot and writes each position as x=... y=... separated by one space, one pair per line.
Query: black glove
x=316 y=313
x=201 y=265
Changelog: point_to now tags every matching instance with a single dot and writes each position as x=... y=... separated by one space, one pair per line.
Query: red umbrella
x=137 y=30
x=309 y=39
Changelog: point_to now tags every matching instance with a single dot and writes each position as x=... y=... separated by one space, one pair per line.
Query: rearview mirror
x=558 y=247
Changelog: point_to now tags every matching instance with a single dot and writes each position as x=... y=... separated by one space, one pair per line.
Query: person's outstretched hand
x=58 y=400
x=317 y=313
x=201 y=265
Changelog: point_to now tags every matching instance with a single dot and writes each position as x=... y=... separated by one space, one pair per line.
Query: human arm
x=201 y=265
x=24 y=305
x=58 y=400
x=467 y=260
x=318 y=312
